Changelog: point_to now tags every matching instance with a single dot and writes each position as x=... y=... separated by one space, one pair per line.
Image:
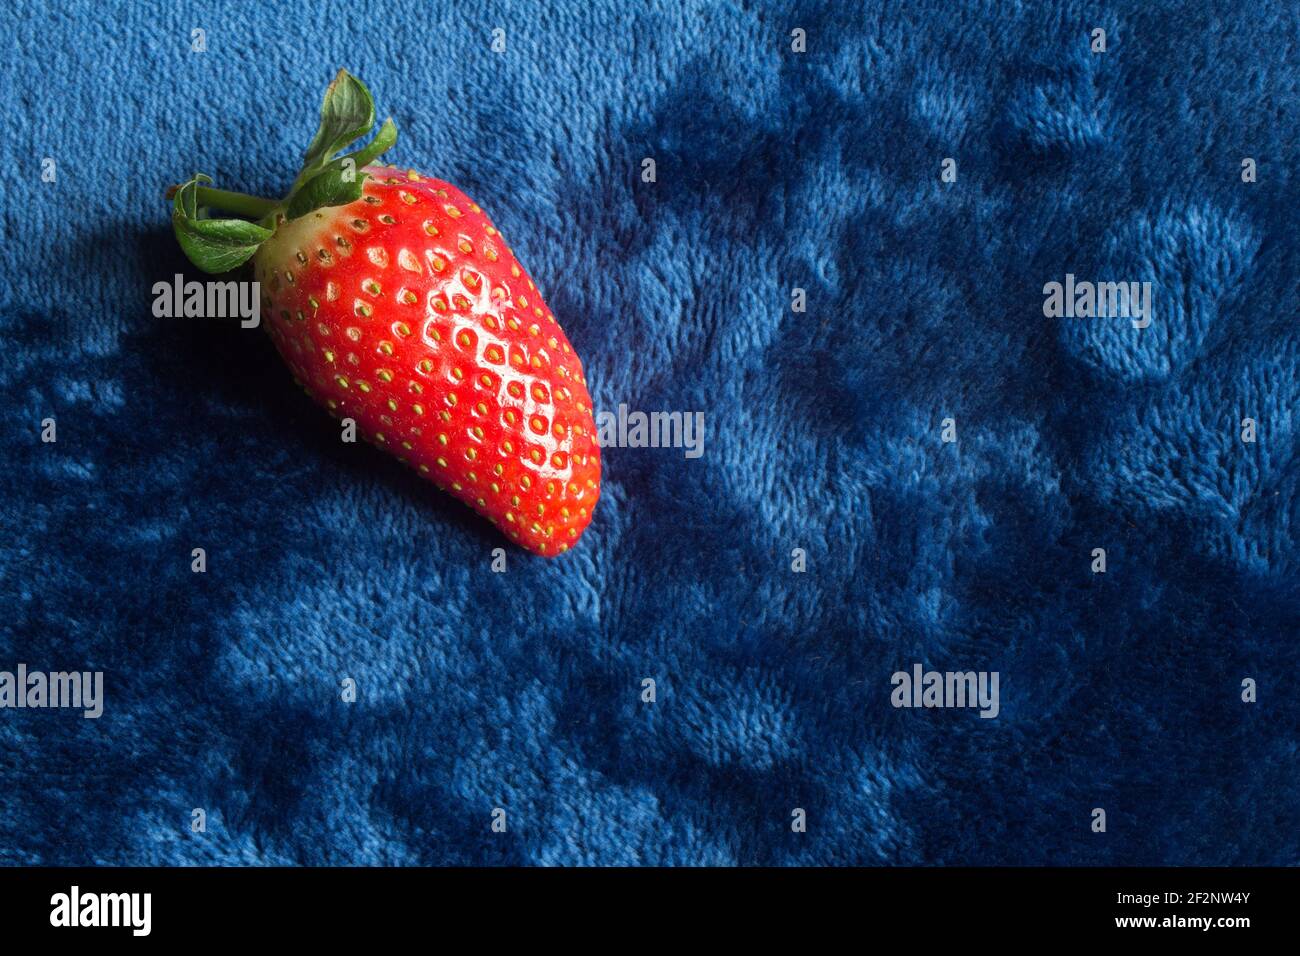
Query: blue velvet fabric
x=522 y=690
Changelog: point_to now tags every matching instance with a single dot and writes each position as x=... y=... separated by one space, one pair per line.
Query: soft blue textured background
x=775 y=170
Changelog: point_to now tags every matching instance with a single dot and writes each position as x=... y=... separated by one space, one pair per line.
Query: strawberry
x=396 y=303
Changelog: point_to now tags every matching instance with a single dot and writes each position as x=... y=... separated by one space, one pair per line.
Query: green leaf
x=340 y=182
x=338 y=185
x=346 y=114
x=381 y=144
x=214 y=245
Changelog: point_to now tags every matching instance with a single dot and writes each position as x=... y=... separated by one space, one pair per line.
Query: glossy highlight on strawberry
x=397 y=304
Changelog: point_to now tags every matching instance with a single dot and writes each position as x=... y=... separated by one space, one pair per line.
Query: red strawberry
x=396 y=303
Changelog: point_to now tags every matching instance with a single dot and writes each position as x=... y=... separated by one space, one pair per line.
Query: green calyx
x=326 y=179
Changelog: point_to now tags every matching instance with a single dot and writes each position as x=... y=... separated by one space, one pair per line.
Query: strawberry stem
x=241 y=204
x=347 y=115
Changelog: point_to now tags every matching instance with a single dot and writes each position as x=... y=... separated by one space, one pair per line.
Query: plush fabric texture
x=775 y=170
